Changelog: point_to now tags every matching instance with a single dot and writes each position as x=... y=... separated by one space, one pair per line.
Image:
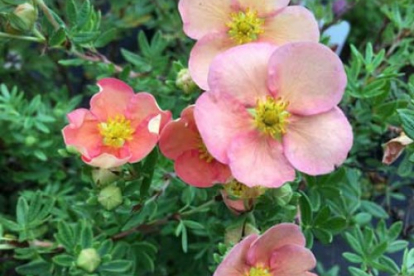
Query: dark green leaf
x=58 y=37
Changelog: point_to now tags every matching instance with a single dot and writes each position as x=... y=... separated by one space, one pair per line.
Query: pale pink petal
x=291 y=24
x=106 y=161
x=198 y=172
x=142 y=143
x=395 y=147
x=274 y=238
x=180 y=135
x=310 y=274
x=257 y=160
x=112 y=99
x=262 y=7
x=236 y=206
x=201 y=17
x=308 y=75
x=143 y=106
x=242 y=72
x=203 y=54
x=220 y=118
x=82 y=132
x=292 y=260
x=317 y=144
x=234 y=263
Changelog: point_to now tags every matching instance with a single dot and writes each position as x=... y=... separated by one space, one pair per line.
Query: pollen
x=258 y=271
x=116 y=131
x=238 y=189
x=271 y=116
x=203 y=152
x=245 y=26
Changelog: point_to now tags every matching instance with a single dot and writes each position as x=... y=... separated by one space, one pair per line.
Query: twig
x=27 y=38
x=48 y=14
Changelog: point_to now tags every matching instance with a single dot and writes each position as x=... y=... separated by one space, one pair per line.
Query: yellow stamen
x=271 y=116
x=258 y=271
x=245 y=26
x=115 y=131
x=203 y=152
x=238 y=189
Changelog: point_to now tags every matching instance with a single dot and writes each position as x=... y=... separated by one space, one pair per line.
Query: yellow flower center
x=245 y=26
x=238 y=189
x=258 y=271
x=271 y=116
x=203 y=152
x=116 y=131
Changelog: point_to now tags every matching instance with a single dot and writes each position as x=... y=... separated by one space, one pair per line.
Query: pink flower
x=221 y=24
x=280 y=251
x=120 y=126
x=181 y=142
x=267 y=118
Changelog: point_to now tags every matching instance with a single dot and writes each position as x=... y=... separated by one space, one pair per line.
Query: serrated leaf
x=84 y=14
x=71 y=12
x=57 y=37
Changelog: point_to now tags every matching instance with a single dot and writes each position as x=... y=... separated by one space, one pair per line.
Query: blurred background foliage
x=358 y=220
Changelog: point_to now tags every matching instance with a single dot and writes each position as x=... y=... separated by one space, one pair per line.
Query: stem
x=48 y=14
x=27 y=38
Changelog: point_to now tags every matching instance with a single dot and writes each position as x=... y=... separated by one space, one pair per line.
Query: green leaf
x=105 y=38
x=65 y=236
x=64 y=260
x=148 y=171
x=407 y=120
x=357 y=272
x=305 y=210
x=86 y=236
x=353 y=258
x=21 y=211
x=353 y=242
x=38 y=267
x=71 y=12
x=378 y=250
x=11 y=225
x=395 y=230
x=374 y=209
x=116 y=266
x=84 y=13
x=136 y=60
x=57 y=37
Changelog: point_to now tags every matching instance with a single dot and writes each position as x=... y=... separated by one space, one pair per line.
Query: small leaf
x=64 y=260
x=116 y=266
x=37 y=267
x=407 y=120
x=357 y=272
x=374 y=209
x=105 y=38
x=57 y=37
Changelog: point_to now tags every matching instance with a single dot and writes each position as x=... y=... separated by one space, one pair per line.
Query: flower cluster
x=269 y=110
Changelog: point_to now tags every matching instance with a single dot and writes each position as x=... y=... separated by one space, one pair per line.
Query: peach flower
x=272 y=110
x=280 y=251
x=120 y=127
x=222 y=24
x=181 y=142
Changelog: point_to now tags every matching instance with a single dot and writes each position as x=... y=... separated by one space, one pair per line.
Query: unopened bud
x=283 y=195
x=110 y=197
x=185 y=82
x=30 y=141
x=25 y=16
x=103 y=177
x=88 y=260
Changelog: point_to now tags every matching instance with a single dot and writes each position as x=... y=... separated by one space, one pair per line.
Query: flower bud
x=30 y=141
x=185 y=82
x=240 y=198
x=25 y=18
x=283 y=195
x=110 y=197
x=102 y=177
x=88 y=260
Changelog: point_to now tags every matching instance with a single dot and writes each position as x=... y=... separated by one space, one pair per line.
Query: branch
x=48 y=14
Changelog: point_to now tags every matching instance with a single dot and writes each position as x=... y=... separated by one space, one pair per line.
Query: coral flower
x=181 y=142
x=270 y=111
x=222 y=24
x=120 y=126
x=280 y=251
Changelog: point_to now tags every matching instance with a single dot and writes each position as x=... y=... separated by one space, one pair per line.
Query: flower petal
x=291 y=260
x=291 y=24
x=234 y=263
x=112 y=99
x=180 y=135
x=201 y=17
x=142 y=143
x=308 y=75
x=242 y=72
x=274 y=238
x=219 y=118
x=198 y=172
x=316 y=144
x=262 y=7
x=203 y=54
x=83 y=133
x=106 y=161
x=143 y=106
x=258 y=161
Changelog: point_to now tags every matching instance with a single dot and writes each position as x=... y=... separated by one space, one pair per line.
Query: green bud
x=110 y=197
x=88 y=260
x=23 y=19
x=72 y=150
x=283 y=195
x=30 y=141
x=103 y=177
x=185 y=82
